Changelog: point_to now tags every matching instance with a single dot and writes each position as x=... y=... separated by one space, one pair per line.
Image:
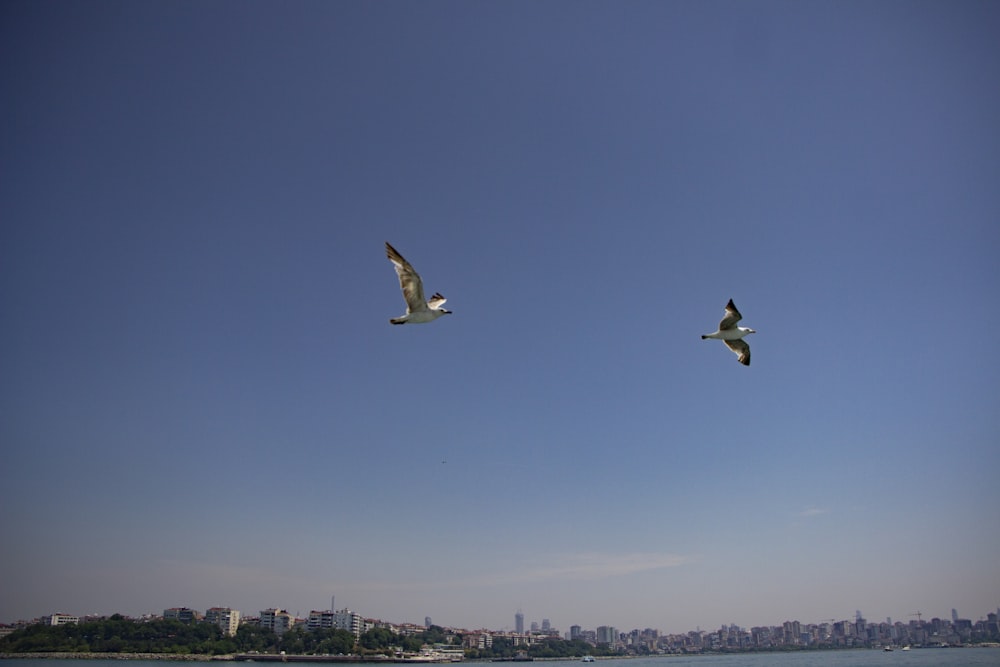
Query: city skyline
x=191 y=613
x=202 y=400
x=828 y=633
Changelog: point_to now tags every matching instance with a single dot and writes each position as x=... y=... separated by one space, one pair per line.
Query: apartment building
x=226 y=618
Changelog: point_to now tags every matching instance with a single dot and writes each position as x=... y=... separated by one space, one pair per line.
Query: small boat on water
x=888 y=649
x=906 y=648
x=587 y=658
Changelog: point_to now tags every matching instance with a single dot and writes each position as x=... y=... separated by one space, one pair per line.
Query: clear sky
x=202 y=402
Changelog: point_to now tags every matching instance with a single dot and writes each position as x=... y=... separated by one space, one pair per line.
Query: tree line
x=118 y=634
x=549 y=647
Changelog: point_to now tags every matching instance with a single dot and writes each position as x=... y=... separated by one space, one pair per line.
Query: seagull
x=417 y=310
x=732 y=335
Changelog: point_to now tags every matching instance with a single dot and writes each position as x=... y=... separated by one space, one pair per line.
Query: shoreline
x=56 y=655
x=265 y=657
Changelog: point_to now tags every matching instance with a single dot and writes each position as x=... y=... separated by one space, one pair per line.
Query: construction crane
x=918 y=614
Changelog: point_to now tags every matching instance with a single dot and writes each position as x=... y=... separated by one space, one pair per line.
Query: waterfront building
x=182 y=614
x=226 y=618
x=345 y=619
x=277 y=620
x=477 y=640
x=60 y=619
x=519 y=638
x=575 y=632
x=410 y=629
x=320 y=620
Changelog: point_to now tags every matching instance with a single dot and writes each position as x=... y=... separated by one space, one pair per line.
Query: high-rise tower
x=519 y=622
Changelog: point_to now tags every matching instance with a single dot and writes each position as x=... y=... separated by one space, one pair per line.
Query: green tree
x=379 y=640
x=249 y=638
x=334 y=642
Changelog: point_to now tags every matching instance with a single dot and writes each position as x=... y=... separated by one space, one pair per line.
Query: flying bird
x=417 y=310
x=732 y=335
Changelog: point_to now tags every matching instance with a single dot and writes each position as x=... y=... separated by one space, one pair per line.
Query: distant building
x=321 y=620
x=519 y=623
x=278 y=620
x=182 y=614
x=427 y=622
x=477 y=640
x=409 y=629
x=606 y=634
x=575 y=632
x=60 y=619
x=226 y=618
x=546 y=625
x=345 y=619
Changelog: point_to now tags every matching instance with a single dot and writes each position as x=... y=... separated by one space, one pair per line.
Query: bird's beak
x=446 y=312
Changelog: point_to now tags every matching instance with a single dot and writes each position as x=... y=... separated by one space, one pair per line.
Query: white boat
x=906 y=648
x=588 y=658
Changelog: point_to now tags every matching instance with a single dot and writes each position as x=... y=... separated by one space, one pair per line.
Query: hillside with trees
x=118 y=634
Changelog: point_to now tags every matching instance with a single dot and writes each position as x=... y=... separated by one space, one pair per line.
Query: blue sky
x=203 y=402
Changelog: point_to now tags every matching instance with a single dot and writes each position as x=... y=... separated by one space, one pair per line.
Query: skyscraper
x=519 y=622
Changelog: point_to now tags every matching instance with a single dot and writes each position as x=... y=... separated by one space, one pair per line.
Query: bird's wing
x=731 y=317
x=409 y=280
x=436 y=301
x=740 y=347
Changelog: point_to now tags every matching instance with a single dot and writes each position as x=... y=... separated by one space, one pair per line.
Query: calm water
x=979 y=657
x=945 y=657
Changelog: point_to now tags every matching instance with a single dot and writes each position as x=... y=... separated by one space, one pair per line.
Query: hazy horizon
x=202 y=402
x=563 y=631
